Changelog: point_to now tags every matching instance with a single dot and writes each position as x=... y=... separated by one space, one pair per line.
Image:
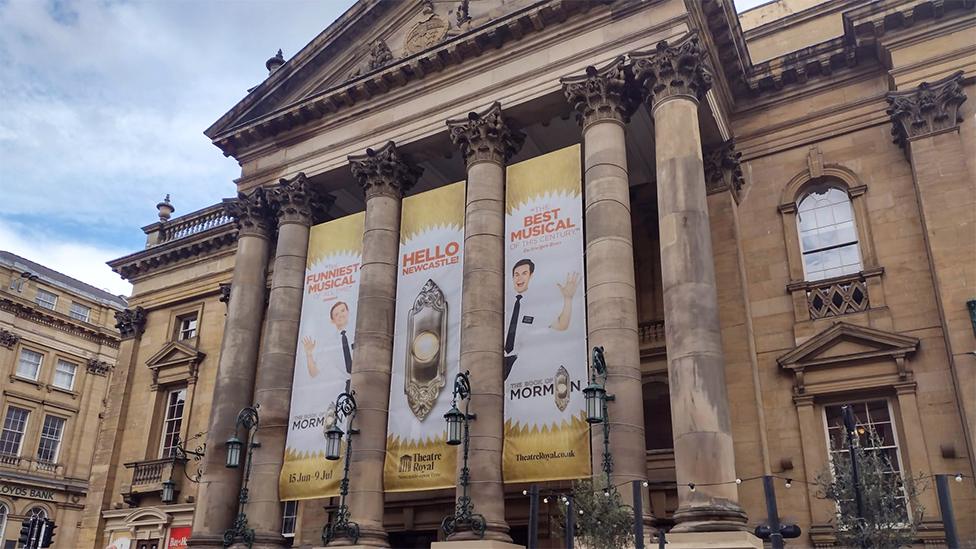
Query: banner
x=178 y=537
x=545 y=368
x=426 y=343
x=323 y=362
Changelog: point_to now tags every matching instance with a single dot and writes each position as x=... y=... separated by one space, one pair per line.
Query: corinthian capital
x=673 y=69
x=131 y=322
x=252 y=212
x=296 y=201
x=600 y=94
x=722 y=168
x=931 y=107
x=485 y=136
x=384 y=172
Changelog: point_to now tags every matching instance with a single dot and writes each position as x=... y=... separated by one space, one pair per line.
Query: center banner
x=426 y=342
x=545 y=358
x=323 y=363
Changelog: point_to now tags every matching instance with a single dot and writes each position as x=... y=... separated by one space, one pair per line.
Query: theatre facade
x=759 y=217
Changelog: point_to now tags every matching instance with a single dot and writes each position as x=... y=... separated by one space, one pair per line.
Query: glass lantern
x=595 y=395
x=455 y=421
x=169 y=491
x=234 y=445
x=333 y=442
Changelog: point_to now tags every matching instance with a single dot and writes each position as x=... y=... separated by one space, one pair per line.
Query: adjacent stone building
x=58 y=348
x=780 y=219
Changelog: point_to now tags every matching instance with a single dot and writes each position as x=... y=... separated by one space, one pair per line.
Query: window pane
x=46 y=299
x=47 y=449
x=842 y=212
x=289 y=517
x=79 y=312
x=29 y=364
x=825 y=220
x=64 y=374
x=13 y=431
x=173 y=421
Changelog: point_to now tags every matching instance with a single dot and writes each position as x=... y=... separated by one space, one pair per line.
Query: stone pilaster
x=218 y=491
x=675 y=77
x=603 y=105
x=486 y=142
x=106 y=463
x=384 y=174
x=294 y=202
x=926 y=123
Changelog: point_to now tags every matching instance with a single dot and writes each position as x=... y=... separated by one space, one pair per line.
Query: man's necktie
x=346 y=354
x=512 y=324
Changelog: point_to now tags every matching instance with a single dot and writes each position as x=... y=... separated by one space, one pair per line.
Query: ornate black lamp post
x=850 y=425
x=341 y=526
x=248 y=419
x=457 y=434
x=596 y=397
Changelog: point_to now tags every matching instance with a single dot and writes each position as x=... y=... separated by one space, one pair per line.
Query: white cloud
x=104 y=103
x=79 y=260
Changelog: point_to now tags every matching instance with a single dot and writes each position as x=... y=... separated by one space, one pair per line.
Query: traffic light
x=47 y=537
x=26 y=531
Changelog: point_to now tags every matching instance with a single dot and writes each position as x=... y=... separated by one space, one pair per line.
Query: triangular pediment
x=375 y=47
x=844 y=342
x=369 y=36
x=173 y=353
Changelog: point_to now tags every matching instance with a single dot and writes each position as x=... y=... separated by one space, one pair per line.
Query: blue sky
x=103 y=104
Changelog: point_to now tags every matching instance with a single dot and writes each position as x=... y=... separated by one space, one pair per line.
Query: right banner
x=545 y=368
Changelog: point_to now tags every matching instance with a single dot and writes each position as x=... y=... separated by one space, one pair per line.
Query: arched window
x=3 y=520
x=828 y=236
x=38 y=512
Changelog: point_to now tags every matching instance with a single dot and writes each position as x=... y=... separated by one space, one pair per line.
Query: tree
x=892 y=513
x=601 y=520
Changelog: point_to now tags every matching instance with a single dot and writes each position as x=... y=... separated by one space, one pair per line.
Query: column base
x=713 y=540
x=475 y=544
x=370 y=537
x=718 y=515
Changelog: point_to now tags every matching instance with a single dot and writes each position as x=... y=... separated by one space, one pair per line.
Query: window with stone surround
x=186 y=326
x=289 y=518
x=50 y=444
x=871 y=416
x=46 y=299
x=79 y=311
x=3 y=519
x=828 y=236
x=64 y=374
x=14 y=425
x=172 y=422
x=29 y=364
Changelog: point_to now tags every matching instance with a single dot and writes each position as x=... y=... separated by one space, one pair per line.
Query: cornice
x=452 y=51
x=28 y=311
x=206 y=243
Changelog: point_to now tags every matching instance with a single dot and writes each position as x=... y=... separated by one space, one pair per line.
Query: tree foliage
x=600 y=520
x=892 y=512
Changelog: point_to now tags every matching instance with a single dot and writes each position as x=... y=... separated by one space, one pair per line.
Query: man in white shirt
x=523 y=323
x=339 y=316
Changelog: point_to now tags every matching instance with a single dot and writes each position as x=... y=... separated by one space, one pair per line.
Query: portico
x=625 y=103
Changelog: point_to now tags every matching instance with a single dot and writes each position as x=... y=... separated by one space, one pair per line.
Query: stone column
x=603 y=105
x=675 y=79
x=384 y=174
x=106 y=465
x=486 y=143
x=293 y=202
x=926 y=124
x=234 y=387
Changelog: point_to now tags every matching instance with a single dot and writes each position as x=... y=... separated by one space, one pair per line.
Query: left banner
x=323 y=363
x=426 y=344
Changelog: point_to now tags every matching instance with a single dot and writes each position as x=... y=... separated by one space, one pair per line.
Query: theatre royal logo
x=406 y=463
